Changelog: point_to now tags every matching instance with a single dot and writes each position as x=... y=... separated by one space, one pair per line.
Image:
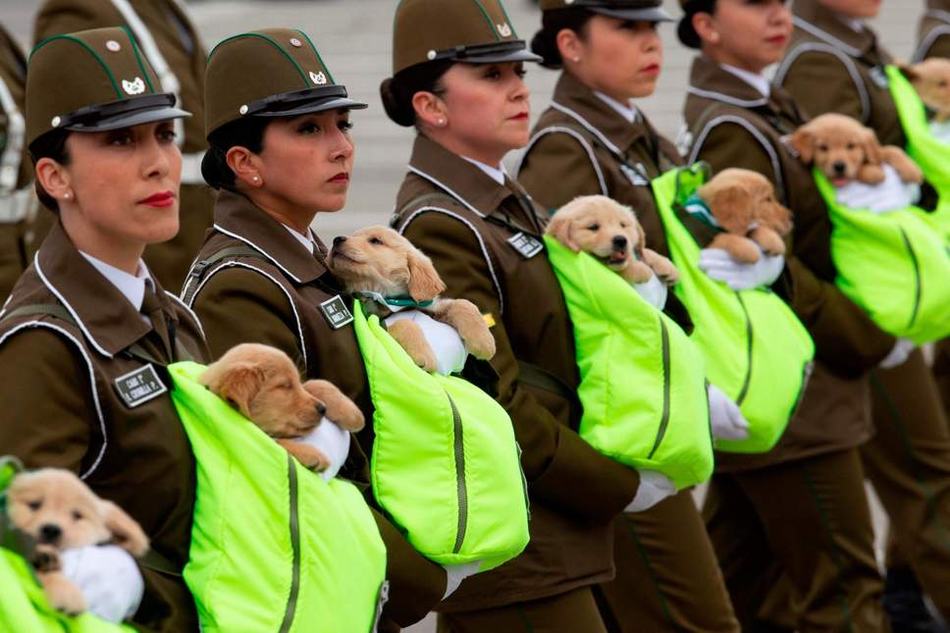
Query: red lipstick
x=160 y=200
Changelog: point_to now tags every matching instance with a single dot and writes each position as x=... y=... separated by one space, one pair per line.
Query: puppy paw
x=480 y=343
x=46 y=559
x=905 y=167
x=769 y=240
x=410 y=337
x=740 y=248
x=465 y=317
x=340 y=409
x=871 y=174
x=310 y=456
x=62 y=594
x=662 y=267
x=636 y=272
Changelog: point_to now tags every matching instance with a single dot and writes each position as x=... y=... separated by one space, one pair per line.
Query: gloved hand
x=719 y=265
x=449 y=349
x=888 y=195
x=898 y=354
x=654 y=488
x=455 y=574
x=333 y=441
x=727 y=420
x=108 y=578
x=653 y=292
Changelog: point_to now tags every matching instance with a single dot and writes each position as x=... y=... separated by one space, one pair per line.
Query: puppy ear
x=560 y=229
x=641 y=237
x=424 y=282
x=872 y=148
x=126 y=532
x=730 y=204
x=237 y=383
x=803 y=142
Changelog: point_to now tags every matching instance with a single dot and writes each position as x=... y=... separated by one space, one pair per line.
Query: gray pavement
x=354 y=37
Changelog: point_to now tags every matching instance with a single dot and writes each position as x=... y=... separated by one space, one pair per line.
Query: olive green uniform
x=909 y=459
x=799 y=512
x=167 y=39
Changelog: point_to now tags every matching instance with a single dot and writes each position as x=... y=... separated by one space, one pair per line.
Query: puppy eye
x=851 y=146
x=942 y=83
x=286 y=385
x=34 y=505
x=77 y=515
x=624 y=225
x=593 y=227
x=375 y=240
x=822 y=148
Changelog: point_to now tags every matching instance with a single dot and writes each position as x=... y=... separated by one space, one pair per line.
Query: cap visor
x=319 y=105
x=497 y=58
x=652 y=14
x=130 y=119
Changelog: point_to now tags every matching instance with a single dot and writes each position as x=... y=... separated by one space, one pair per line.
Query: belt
x=17 y=206
x=191 y=169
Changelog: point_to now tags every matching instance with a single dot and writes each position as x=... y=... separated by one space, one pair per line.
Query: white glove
x=653 y=292
x=941 y=130
x=898 y=354
x=885 y=196
x=455 y=574
x=108 y=577
x=719 y=265
x=449 y=349
x=333 y=441
x=654 y=488
x=727 y=420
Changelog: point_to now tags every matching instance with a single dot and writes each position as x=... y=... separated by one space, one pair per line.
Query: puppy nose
x=50 y=533
x=838 y=166
x=339 y=239
x=620 y=242
x=321 y=408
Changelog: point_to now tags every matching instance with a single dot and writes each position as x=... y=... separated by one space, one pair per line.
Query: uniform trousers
x=574 y=612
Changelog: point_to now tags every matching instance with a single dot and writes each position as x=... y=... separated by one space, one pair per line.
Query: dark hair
x=50 y=145
x=397 y=92
x=544 y=42
x=247 y=133
x=684 y=30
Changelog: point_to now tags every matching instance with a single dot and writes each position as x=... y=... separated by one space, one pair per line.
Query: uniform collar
x=106 y=317
x=627 y=110
x=495 y=173
x=710 y=80
x=132 y=287
x=613 y=129
x=820 y=22
x=757 y=80
x=238 y=217
x=306 y=241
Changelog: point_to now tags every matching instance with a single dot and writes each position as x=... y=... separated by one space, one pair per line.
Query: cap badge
x=504 y=30
x=295 y=42
x=113 y=46
x=318 y=78
x=56 y=121
x=135 y=87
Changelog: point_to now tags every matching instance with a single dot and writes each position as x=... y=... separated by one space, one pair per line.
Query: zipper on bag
x=665 y=416
x=291 y=608
x=461 y=488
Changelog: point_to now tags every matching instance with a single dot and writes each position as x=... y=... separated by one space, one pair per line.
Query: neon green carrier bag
x=930 y=153
x=755 y=348
x=23 y=603
x=274 y=547
x=642 y=386
x=445 y=464
x=894 y=265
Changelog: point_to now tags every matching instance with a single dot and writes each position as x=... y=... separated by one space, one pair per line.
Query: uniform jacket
x=63 y=408
x=168 y=39
x=483 y=239
x=825 y=51
x=732 y=125
x=933 y=33
x=274 y=297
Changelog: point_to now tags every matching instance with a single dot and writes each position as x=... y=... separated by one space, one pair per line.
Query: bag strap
x=198 y=269
x=540 y=378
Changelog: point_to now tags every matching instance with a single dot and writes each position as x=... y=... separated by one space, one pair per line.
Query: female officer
x=280 y=153
x=736 y=119
x=667 y=573
x=908 y=461
x=87 y=329
x=458 y=79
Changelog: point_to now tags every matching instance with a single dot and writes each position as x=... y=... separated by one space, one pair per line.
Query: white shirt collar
x=855 y=24
x=306 y=240
x=132 y=287
x=495 y=173
x=626 y=110
x=757 y=81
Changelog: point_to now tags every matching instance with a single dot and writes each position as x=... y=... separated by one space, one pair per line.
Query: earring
x=68 y=195
x=256 y=179
x=441 y=122
x=575 y=59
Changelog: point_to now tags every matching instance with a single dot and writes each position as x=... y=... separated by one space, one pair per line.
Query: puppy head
x=262 y=383
x=601 y=227
x=838 y=145
x=931 y=78
x=57 y=509
x=378 y=259
x=738 y=198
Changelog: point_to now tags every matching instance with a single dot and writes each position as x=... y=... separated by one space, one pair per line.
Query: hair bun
x=543 y=44
x=397 y=106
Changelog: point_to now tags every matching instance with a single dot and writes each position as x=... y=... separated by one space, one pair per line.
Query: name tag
x=139 y=386
x=526 y=245
x=336 y=313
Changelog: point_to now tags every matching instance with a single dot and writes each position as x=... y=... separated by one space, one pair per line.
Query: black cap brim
x=498 y=58
x=650 y=14
x=130 y=119
x=320 y=105
x=123 y=113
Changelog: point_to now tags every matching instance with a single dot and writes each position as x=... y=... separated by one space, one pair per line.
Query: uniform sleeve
x=562 y=469
x=847 y=341
x=48 y=421
x=68 y=16
x=556 y=170
x=812 y=69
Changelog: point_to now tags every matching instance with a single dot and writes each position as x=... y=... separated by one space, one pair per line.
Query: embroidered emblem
x=636 y=176
x=504 y=30
x=134 y=87
x=139 y=386
x=318 y=78
x=336 y=313
x=526 y=245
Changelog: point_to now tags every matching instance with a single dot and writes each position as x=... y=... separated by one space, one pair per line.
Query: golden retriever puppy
x=60 y=512
x=379 y=260
x=264 y=385
x=610 y=232
x=743 y=203
x=844 y=150
x=931 y=78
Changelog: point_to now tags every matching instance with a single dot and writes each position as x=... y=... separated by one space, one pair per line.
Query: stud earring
x=68 y=195
x=441 y=122
x=256 y=179
x=575 y=59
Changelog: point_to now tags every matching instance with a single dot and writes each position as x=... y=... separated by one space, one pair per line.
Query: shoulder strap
x=421 y=201
x=198 y=268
